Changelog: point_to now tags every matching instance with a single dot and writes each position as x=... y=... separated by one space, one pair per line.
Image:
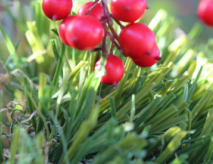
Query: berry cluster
x=87 y=29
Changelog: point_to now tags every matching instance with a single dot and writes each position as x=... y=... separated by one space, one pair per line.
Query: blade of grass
x=168 y=123
x=201 y=103
x=138 y=97
x=209 y=152
x=128 y=65
x=27 y=91
x=113 y=108
x=171 y=147
x=82 y=133
x=147 y=111
x=14 y=146
x=165 y=137
x=132 y=112
x=10 y=47
x=207 y=128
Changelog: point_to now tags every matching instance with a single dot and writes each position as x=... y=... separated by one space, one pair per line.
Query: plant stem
x=111 y=48
x=117 y=21
x=103 y=47
x=115 y=43
x=115 y=35
x=106 y=20
x=92 y=7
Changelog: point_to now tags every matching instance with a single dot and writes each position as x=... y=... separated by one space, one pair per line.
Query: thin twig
x=115 y=43
x=92 y=7
x=106 y=19
x=117 y=21
x=111 y=48
x=103 y=47
x=115 y=35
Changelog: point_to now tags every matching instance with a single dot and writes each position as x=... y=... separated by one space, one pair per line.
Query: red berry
x=205 y=12
x=57 y=9
x=84 y=33
x=149 y=60
x=114 y=70
x=128 y=10
x=96 y=11
x=63 y=26
x=137 y=40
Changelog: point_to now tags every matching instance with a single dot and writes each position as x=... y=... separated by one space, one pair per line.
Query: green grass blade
x=113 y=108
x=10 y=47
x=14 y=146
x=171 y=147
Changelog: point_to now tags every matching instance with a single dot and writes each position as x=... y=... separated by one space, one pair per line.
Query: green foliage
x=161 y=114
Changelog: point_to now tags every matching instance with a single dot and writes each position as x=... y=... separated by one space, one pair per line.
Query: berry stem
x=107 y=20
x=92 y=7
x=107 y=14
x=117 y=21
x=158 y=58
x=115 y=35
x=115 y=43
x=111 y=48
x=103 y=47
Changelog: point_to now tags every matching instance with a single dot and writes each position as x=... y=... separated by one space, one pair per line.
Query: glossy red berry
x=114 y=70
x=57 y=9
x=128 y=10
x=205 y=12
x=96 y=11
x=149 y=60
x=84 y=33
x=63 y=26
x=137 y=40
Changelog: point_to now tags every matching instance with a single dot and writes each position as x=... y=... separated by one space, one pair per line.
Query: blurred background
x=19 y=11
x=184 y=11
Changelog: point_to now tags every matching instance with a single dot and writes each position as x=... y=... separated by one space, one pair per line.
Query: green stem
x=27 y=91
